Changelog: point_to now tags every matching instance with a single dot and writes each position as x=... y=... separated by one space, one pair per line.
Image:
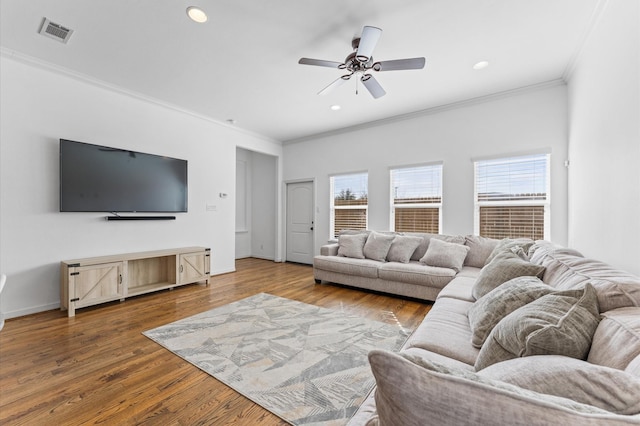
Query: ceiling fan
x=360 y=62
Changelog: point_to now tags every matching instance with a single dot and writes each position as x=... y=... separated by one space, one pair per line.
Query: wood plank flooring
x=97 y=368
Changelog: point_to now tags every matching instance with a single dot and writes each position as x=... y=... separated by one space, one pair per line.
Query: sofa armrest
x=329 y=249
x=410 y=390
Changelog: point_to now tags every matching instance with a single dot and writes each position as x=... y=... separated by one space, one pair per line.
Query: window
x=348 y=202
x=512 y=197
x=416 y=199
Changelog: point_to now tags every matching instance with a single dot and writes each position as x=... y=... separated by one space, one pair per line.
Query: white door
x=300 y=222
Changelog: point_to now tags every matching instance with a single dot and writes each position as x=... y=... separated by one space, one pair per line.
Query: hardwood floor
x=97 y=367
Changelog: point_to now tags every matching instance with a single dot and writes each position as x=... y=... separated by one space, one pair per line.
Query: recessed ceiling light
x=196 y=14
x=481 y=65
x=335 y=107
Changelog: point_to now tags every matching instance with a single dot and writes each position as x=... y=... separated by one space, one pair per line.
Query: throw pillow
x=351 y=245
x=487 y=312
x=603 y=387
x=402 y=248
x=479 y=250
x=506 y=244
x=560 y=323
x=377 y=246
x=445 y=255
x=426 y=238
x=501 y=269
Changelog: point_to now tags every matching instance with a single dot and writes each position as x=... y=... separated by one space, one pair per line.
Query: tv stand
x=94 y=280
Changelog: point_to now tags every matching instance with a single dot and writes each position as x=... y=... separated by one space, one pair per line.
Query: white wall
x=244 y=168
x=604 y=145
x=39 y=106
x=523 y=121
x=264 y=207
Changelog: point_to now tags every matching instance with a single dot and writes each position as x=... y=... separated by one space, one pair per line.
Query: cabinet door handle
x=181 y=268
x=120 y=279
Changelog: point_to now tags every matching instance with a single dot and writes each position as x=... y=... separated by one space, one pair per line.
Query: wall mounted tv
x=96 y=178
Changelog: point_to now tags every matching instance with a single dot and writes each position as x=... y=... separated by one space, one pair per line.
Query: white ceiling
x=242 y=63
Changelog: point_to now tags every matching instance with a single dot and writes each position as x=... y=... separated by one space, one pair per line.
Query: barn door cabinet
x=91 y=281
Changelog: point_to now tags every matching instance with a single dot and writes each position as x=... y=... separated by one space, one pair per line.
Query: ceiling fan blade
x=373 y=86
x=368 y=41
x=335 y=83
x=319 y=62
x=400 y=64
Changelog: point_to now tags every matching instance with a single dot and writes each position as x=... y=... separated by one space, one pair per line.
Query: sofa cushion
x=615 y=288
x=560 y=323
x=412 y=391
x=415 y=273
x=437 y=358
x=445 y=255
x=366 y=268
x=542 y=248
x=377 y=246
x=426 y=238
x=459 y=288
x=402 y=248
x=603 y=387
x=512 y=245
x=616 y=342
x=501 y=269
x=634 y=367
x=352 y=245
x=487 y=312
x=479 y=249
x=446 y=331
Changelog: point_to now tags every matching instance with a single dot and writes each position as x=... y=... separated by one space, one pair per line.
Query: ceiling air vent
x=55 y=31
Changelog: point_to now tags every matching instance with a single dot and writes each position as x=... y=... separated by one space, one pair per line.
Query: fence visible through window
x=416 y=198
x=512 y=197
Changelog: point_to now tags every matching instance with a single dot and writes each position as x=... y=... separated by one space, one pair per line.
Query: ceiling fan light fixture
x=197 y=15
x=480 y=65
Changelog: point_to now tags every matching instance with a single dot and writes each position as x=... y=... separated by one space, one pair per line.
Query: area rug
x=306 y=364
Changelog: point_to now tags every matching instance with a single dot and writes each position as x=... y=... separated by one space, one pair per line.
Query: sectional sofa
x=520 y=333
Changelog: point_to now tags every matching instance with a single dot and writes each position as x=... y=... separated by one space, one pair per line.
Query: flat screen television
x=96 y=178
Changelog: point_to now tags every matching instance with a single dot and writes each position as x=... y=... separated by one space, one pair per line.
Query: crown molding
x=84 y=78
x=430 y=111
x=595 y=19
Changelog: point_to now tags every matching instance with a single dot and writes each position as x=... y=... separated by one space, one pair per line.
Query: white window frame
x=515 y=203
x=392 y=195
x=333 y=207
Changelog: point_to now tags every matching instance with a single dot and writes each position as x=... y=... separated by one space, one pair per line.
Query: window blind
x=416 y=198
x=512 y=179
x=421 y=184
x=349 y=202
x=512 y=197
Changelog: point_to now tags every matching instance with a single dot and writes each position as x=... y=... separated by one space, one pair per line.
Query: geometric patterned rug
x=306 y=364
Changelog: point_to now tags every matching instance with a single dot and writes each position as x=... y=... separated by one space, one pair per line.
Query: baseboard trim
x=31 y=310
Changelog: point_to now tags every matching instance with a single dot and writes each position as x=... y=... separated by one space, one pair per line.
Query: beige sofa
x=400 y=275
x=517 y=351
